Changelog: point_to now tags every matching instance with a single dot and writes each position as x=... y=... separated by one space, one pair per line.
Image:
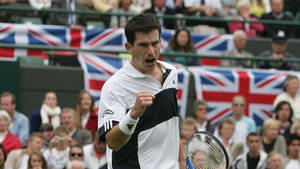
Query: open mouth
x=150 y=60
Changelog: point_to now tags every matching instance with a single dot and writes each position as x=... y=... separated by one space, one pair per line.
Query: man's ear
x=128 y=47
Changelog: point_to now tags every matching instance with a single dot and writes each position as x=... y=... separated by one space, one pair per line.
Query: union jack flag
x=218 y=86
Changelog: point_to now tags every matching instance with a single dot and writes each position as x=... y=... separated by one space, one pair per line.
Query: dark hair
x=278 y=108
x=46 y=127
x=76 y=146
x=292 y=138
x=287 y=81
x=51 y=91
x=252 y=134
x=3 y=151
x=144 y=23
x=40 y=155
x=174 y=44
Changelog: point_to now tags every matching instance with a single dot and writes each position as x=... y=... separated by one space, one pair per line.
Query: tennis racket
x=204 y=151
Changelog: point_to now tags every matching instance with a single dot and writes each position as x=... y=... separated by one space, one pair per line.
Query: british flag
x=218 y=86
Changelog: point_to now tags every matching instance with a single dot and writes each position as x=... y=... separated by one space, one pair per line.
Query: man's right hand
x=144 y=99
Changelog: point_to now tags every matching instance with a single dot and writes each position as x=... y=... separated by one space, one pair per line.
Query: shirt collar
x=133 y=72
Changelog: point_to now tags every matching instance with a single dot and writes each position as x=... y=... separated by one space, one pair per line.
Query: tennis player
x=138 y=116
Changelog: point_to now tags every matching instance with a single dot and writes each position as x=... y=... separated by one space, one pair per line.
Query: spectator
x=292 y=160
x=233 y=147
x=177 y=5
x=48 y=113
x=200 y=111
x=20 y=123
x=182 y=42
x=47 y=132
x=255 y=158
x=271 y=140
x=37 y=161
x=240 y=42
x=201 y=8
x=8 y=140
x=188 y=127
x=284 y=114
x=75 y=165
x=87 y=116
x=229 y=8
x=80 y=136
x=76 y=153
x=71 y=19
x=105 y=5
x=244 y=124
x=139 y=6
x=290 y=88
x=57 y=153
x=120 y=21
x=94 y=154
x=2 y=157
x=295 y=129
x=18 y=159
x=276 y=14
x=274 y=161
x=279 y=46
x=159 y=9
x=259 y=7
x=251 y=29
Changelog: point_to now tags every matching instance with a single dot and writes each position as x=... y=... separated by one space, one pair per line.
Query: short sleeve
x=111 y=110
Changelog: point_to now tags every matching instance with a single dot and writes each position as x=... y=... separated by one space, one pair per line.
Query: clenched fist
x=143 y=100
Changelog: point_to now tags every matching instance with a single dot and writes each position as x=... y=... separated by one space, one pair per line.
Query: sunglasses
x=236 y=105
x=76 y=154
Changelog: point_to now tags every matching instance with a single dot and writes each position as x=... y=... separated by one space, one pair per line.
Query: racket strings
x=206 y=153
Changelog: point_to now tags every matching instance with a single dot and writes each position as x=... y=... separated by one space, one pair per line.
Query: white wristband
x=127 y=124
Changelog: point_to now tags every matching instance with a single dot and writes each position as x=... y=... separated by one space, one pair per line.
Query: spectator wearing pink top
x=251 y=29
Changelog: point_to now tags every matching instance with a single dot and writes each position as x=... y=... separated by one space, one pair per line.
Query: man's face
x=100 y=146
x=275 y=162
x=7 y=105
x=76 y=153
x=240 y=42
x=277 y=6
x=159 y=3
x=238 y=106
x=201 y=112
x=68 y=120
x=294 y=148
x=253 y=143
x=278 y=48
x=145 y=51
x=36 y=144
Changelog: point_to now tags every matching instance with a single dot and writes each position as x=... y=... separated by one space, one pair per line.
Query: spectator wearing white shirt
x=292 y=161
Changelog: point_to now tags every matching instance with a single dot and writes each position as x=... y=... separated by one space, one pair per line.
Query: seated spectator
x=271 y=140
x=57 y=155
x=254 y=158
x=259 y=7
x=86 y=115
x=279 y=46
x=295 y=129
x=139 y=6
x=80 y=136
x=37 y=161
x=290 y=94
x=200 y=111
x=48 y=113
x=284 y=114
x=8 y=140
x=292 y=159
x=2 y=157
x=240 y=42
x=76 y=153
x=274 y=161
x=94 y=154
x=201 y=8
x=120 y=21
x=181 y=42
x=229 y=8
x=233 y=147
x=19 y=158
x=251 y=29
x=188 y=127
x=159 y=8
x=47 y=132
x=277 y=14
x=177 y=5
x=19 y=121
x=73 y=20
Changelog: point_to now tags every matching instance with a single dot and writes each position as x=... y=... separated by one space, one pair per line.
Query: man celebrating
x=138 y=107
